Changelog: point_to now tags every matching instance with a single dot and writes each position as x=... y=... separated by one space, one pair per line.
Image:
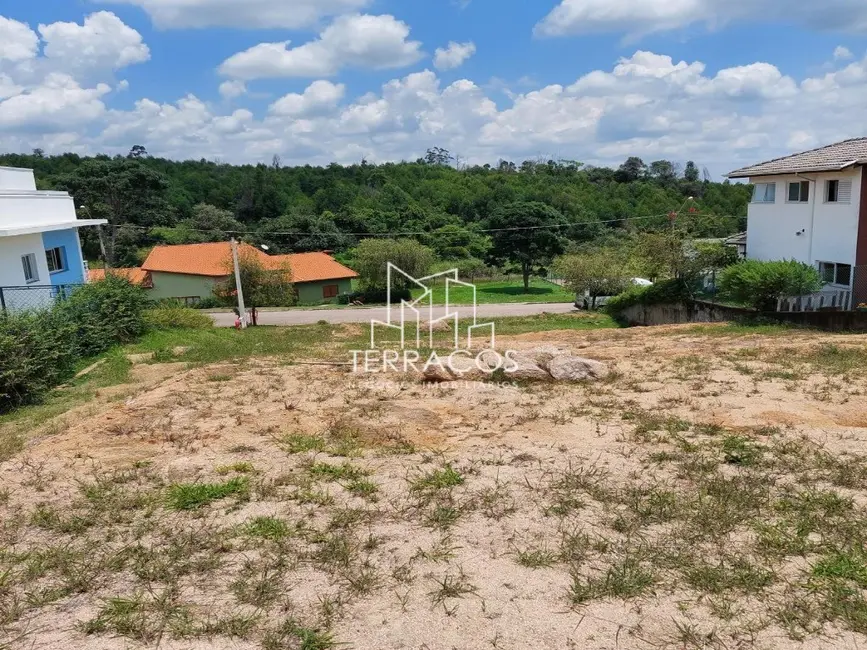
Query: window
x=837 y=191
x=31 y=272
x=799 y=192
x=330 y=291
x=56 y=259
x=833 y=273
x=765 y=193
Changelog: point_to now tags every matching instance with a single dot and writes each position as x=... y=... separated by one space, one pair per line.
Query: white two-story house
x=812 y=207
x=40 y=253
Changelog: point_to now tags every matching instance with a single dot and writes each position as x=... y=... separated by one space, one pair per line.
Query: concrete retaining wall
x=707 y=312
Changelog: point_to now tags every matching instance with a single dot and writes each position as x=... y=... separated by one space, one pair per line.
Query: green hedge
x=40 y=350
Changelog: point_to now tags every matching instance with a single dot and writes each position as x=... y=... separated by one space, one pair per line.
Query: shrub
x=667 y=291
x=40 y=349
x=761 y=284
x=36 y=353
x=168 y=317
x=104 y=314
x=374 y=296
x=210 y=302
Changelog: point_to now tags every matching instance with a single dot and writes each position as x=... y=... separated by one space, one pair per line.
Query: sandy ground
x=479 y=563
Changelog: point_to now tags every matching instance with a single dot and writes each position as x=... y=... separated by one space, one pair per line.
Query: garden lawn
x=502 y=292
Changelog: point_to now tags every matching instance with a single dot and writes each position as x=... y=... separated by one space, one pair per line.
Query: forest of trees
x=150 y=200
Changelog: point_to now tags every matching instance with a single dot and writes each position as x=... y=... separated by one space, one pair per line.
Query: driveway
x=366 y=314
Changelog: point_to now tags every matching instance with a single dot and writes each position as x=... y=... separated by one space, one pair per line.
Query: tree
x=438 y=156
x=691 y=173
x=598 y=273
x=371 y=258
x=526 y=234
x=264 y=286
x=305 y=233
x=137 y=151
x=663 y=170
x=121 y=191
x=762 y=284
x=630 y=171
x=454 y=242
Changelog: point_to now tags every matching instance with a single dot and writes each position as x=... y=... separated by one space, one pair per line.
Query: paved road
x=366 y=314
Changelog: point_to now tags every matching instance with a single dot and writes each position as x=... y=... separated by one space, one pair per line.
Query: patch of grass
x=191 y=496
x=293 y=635
x=268 y=528
x=626 y=579
x=298 y=443
x=536 y=558
x=440 y=479
x=738 y=450
x=344 y=472
x=242 y=467
x=736 y=573
x=848 y=564
x=497 y=292
x=451 y=586
x=363 y=488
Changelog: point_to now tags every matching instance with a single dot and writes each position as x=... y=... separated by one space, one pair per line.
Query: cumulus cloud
x=454 y=55
x=17 y=41
x=61 y=87
x=103 y=41
x=647 y=104
x=59 y=102
x=842 y=53
x=232 y=89
x=319 y=97
x=377 y=42
x=638 y=17
x=290 y=14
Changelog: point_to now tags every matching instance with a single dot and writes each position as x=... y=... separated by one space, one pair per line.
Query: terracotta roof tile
x=136 y=276
x=215 y=260
x=833 y=157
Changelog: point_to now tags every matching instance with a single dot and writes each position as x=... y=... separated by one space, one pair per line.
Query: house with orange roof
x=139 y=277
x=191 y=272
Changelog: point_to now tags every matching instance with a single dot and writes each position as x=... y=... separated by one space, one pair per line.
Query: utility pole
x=242 y=311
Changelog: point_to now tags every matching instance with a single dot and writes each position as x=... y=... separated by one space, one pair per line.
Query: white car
x=587 y=302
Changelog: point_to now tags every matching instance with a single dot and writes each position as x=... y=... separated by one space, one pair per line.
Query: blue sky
x=721 y=82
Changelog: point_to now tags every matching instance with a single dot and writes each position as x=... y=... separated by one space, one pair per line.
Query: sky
x=725 y=83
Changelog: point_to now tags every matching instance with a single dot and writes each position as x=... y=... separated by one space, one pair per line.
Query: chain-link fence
x=33 y=297
x=859 y=287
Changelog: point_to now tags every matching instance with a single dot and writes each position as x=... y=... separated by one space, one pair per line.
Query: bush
x=761 y=284
x=37 y=355
x=210 y=302
x=667 y=291
x=168 y=317
x=374 y=296
x=104 y=314
x=39 y=350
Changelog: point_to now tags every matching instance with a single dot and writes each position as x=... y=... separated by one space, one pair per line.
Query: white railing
x=839 y=299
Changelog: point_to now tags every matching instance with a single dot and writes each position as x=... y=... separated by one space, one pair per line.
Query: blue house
x=40 y=252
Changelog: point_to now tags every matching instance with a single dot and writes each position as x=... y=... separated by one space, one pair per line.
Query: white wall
x=12 y=272
x=830 y=229
x=23 y=210
x=12 y=178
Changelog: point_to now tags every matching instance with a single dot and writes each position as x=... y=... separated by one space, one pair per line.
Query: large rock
x=569 y=368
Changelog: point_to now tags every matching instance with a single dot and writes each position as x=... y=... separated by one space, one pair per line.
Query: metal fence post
x=2 y=300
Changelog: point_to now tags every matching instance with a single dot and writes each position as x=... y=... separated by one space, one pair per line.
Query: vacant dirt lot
x=711 y=493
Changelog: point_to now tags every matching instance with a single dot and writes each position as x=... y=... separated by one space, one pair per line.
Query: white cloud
x=842 y=53
x=61 y=88
x=639 y=17
x=103 y=41
x=320 y=97
x=454 y=55
x=362 y=41
x=17 y=41
x=290 y=14
x=232 y=89
x=58 y=102
x=647 y=104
